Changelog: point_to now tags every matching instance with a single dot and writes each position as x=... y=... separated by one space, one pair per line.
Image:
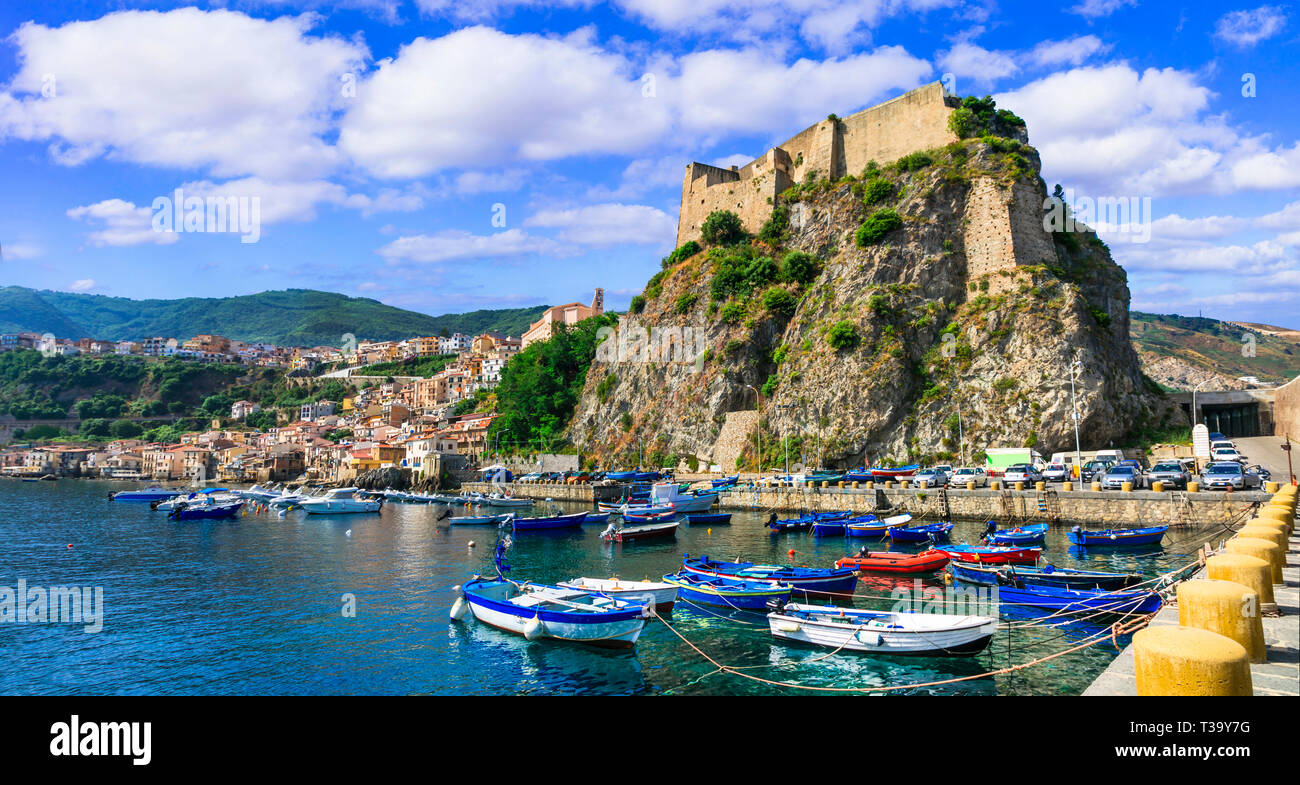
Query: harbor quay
x=1084 y=507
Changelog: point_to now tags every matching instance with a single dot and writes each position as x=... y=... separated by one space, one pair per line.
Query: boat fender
x=787 y=626
x=458 y=609
x=534 y=629
x=869 y=638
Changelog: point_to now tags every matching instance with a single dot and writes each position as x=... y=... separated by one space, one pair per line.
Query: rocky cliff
x=869 y=312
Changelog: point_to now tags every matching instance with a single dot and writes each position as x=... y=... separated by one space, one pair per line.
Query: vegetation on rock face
x=877 y=225
x=981 y=117
x=842 y=335
x=416 y=366
x=679 y=255
x=722 y=227
x=540 y=386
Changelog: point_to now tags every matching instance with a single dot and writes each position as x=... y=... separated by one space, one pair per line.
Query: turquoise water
x=254 y=606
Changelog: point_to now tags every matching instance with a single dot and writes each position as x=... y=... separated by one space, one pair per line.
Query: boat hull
x=1111 y=538
x=886 y=633
x=836 y=581
x=661 y=595
x=714 y=519
x=549 y=523
x=1072 y=601
x=896 y=563
x=989 y=556
x=619 y=629
x=649 y=531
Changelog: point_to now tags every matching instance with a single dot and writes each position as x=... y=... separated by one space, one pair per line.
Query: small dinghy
x=709 y=519
x=926 y=532
x=1029 y=534
x=881 y=632
x=889 y=562
x=877 y=528
x=658 y=595
x=647 y=531
x=991 y=554
x=546 y=522
x=804 y=579
x=654 y=517
x=726 y=592
x=1117 y=538
x=725 y=481
x=596 y=517
x=1050 y=575
x=478 y=520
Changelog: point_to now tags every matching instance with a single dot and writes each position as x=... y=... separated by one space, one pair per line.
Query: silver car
x=1056 y=472
x=1228 y=474
x=1170 y=473
x=1116 y=476
x=973 y=474
x=933 y=477
x=1021 y=472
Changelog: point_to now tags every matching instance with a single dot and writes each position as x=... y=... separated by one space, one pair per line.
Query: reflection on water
x=255 y=606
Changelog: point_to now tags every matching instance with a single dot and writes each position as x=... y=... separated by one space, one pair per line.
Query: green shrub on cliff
x=779 y=302
x=799 y=267
x=722 y=227
x=981 y=117
x=679 y=255
x=877 y=190
x=877 y=225
x=774 y=229
x=842 y=335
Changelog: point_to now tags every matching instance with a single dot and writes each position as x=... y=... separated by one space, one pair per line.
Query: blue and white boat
x=726 y=592
x=549 y=522
x=1049 y=575
x=926 y=532
x=1056 y=599
x=1029 y=534
x=1117 y=538
x=596 y=517
x=825 y=580
x=708 y=519
x=725 y=481
x=479 y=520
x=184 y=512
x=877 y=528
x=882 y=632
x=150 y=494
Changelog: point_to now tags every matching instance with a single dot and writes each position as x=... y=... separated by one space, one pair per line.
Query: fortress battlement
x=916 y=120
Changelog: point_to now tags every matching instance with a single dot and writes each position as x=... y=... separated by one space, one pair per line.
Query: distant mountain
x=293 y=317
x=1181 y=352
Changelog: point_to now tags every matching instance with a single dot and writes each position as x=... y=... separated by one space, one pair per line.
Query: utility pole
x=961 y=436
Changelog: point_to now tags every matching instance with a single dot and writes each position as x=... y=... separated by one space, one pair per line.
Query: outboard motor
x=990 y=527
x=771 y=519
x=776 y=605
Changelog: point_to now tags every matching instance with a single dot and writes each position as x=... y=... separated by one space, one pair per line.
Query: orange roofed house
x=569 y=314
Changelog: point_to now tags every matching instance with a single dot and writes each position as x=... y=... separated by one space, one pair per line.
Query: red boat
x=889 y=562
x=991 y=554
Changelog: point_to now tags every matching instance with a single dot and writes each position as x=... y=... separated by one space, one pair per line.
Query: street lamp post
x=1075 y=367
x=961 y=436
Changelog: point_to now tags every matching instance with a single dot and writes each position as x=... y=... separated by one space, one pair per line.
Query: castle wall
x=1003 y=224
x=914 y=121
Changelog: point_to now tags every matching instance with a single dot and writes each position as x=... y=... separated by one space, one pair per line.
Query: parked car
x=1229 y=474
x=1222 y=443
x=933 y=477
x=1116 y=476
x=1095 y=470
x=973 y=474
x=1021 y=472
x=1259 y=471
x=1169 y=472
x=531 y=477
x=574 y=478
x=1227 y=454
x=1056 y=472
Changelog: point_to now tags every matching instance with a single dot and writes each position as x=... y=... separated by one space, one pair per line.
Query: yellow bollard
x=1188 y=661
x=840 y=483
x=1230 y=609
x=1278 y=514
x=1067 y=486
x=1158 y=486
x=1040 y=486
x=970 y=485
x=1193 y=487
x=871 y=484
x=1260 y=549
x=1275 y=525
x=1252 y=572
x=996 y=485
x=1263 y=531
x=903 y=483
x=1020 y=486
x=855 y=483
x=1271 y=487
x=1096 y=486
x=1126 y=486
x=825 y=484
x=889 y=483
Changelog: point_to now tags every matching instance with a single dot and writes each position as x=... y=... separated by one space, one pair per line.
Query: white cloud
x=1095 y=9
x=478 y=98
x=277 y=201
x=121 y=223
x=604 y=225
x=1176 y=227
x=20 y=251
x=1072 y=51
x=187 y=89
x=1268 y=169
x=455 y=245
x=973 y=63
x=1247 y=28
x=82 y=285
x=749 y=91
x=1286 y=218
x=490 y=182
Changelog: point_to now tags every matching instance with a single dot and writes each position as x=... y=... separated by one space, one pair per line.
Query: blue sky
x=444 y=156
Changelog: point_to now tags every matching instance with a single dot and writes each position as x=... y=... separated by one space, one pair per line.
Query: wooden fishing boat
x=877 y=528
x=647 y=531
x=882 y=632
x=596 y=517
x=804 y=579
x=1029 y=534
x=537 y=612
x=1050 y=575
x=862 y=475
x=991 y=554
x=807 y=521
x=926 y=532
x=726 y=592
x=658 y=595
x=725 y=481
x=901 y=563
x=654 y=517
x=1053 y=598
x=1117 y=538
x=478 y=520
x=709 y=519
x=548 y=522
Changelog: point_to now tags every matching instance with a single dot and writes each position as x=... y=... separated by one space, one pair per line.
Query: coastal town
x=422 y=423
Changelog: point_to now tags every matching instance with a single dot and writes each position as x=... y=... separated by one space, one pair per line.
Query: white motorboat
x=338 y=501
x=498 y=500
x=882 y=632
x=668 y=494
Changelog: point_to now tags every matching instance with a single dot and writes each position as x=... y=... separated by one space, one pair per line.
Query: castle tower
x=598 y=302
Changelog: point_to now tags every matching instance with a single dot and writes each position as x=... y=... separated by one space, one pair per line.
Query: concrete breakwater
x=1098 y=508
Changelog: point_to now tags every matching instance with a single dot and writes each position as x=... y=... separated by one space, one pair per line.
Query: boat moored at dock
x=879 y=632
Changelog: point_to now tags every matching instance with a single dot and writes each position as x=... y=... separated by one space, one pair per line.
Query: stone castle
x=834 y=147
x=1004 y=227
